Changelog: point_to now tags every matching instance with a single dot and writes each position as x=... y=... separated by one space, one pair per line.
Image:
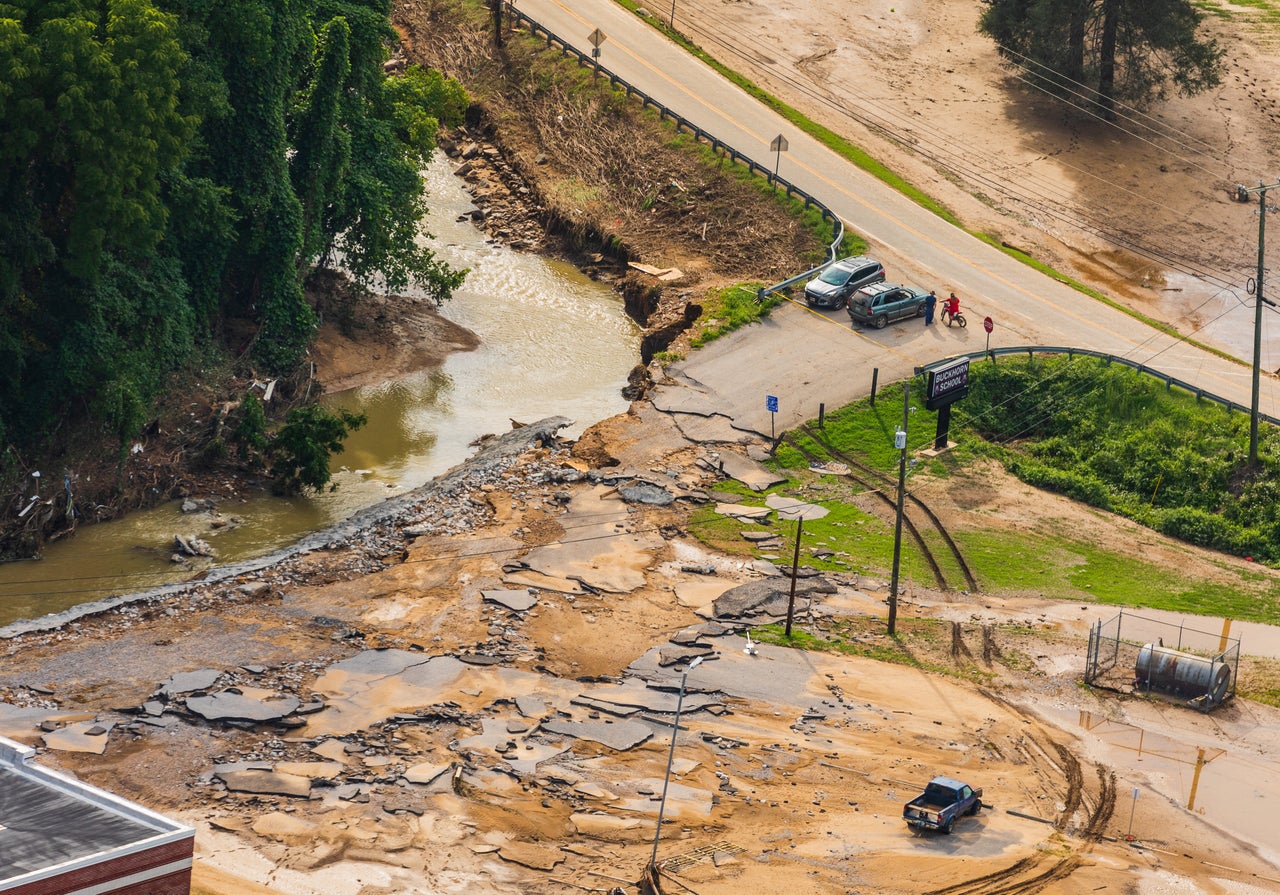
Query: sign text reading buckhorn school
x=947 y=383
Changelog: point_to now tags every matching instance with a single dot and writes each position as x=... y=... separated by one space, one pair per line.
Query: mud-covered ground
x=476 y=695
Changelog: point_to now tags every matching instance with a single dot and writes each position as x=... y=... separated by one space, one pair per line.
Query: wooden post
x=1226 y=632
x=1195 y=779
x=875 y=375
x=496 y=7
x=822 y=414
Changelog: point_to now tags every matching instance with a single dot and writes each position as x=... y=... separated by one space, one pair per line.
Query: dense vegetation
x=171 y=172
x=1121 y=441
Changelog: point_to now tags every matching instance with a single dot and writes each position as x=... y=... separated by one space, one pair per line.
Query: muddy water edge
x=553 y=342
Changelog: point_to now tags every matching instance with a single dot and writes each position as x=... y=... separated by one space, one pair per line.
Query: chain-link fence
x=1134 y=654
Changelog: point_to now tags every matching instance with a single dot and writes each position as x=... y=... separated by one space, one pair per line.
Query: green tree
x=300 y=451
x=258 y=47
x=1126 y=50
x=371 y=222
x=89 y=106
x=250 y=434
x=322 y=147
x=172 y=169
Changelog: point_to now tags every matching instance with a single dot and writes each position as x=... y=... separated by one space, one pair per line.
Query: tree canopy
x=1097 y=52
x=171 y=165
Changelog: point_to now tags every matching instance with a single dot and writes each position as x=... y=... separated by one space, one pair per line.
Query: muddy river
x=553 y=342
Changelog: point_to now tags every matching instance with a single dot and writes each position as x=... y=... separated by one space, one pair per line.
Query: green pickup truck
x=881 y=303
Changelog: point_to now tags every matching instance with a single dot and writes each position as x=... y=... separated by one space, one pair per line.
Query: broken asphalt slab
x=752 y=474
x=793 y=509
x=81 y=736
x=644 y=492
x=768 y=596
x=17 y=722
x=521 y=754
x=231 y=706
x=425 y=773
x=602 y=554
x=190 y=682
x=714 y=429
x=264 y=782
x=617 y=735
x=535 y=857
x=375 y=685
x=634 y=693
x=515 y=600
x=743 y=512
x=784 y=678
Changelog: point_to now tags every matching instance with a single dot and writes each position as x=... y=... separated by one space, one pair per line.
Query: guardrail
x=1169 y=381
x=684 y=124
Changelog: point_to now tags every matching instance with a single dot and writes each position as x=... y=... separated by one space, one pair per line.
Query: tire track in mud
x=1101 y=815
x=1007 y=881
x=1075 y=785
x=1028 y=875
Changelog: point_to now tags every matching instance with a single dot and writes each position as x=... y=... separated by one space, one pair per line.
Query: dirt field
x=453 y=744
x=916 y=85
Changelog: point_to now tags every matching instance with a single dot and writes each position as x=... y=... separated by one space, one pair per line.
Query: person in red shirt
x=953 y=305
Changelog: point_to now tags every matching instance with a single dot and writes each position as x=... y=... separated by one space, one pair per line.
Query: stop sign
x=988 y=325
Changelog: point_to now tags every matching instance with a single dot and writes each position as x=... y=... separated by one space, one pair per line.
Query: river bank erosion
x=533 y=674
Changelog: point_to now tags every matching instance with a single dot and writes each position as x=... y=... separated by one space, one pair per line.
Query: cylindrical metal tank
x=1182 y=674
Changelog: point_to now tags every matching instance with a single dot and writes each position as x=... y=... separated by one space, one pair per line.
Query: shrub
x=250 y=435
x=300 y=451
x=1195 y=526
x=1074 y=485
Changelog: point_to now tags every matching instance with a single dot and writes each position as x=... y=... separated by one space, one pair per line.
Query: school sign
x=946 y=383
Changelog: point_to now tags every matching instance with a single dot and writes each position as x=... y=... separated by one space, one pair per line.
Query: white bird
x=750 y=648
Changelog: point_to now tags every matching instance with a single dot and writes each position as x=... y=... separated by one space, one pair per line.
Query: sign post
x=988 y=324
x=1129 y=836
x=944 y=385
x=771 y=405
x=790 y=508
x=596 y=37
x=777 y=146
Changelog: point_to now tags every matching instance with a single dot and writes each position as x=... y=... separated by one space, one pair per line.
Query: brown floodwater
x=553 y=342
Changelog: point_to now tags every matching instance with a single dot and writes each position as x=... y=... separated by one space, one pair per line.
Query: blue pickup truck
x=942 y=801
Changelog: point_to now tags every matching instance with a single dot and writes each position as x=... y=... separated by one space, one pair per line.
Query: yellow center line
x=1087 y=321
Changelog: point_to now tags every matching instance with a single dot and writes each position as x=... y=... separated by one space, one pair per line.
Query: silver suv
x=832 y=288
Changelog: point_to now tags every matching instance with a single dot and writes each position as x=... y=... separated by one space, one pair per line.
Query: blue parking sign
x=771 y=403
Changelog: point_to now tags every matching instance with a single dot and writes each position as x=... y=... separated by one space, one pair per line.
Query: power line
x=1029 y=191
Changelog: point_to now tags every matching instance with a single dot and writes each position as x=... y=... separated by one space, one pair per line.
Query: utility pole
x=900 y=442
x=1243 y=195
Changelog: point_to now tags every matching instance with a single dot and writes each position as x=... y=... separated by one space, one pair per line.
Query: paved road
x=806 y=358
